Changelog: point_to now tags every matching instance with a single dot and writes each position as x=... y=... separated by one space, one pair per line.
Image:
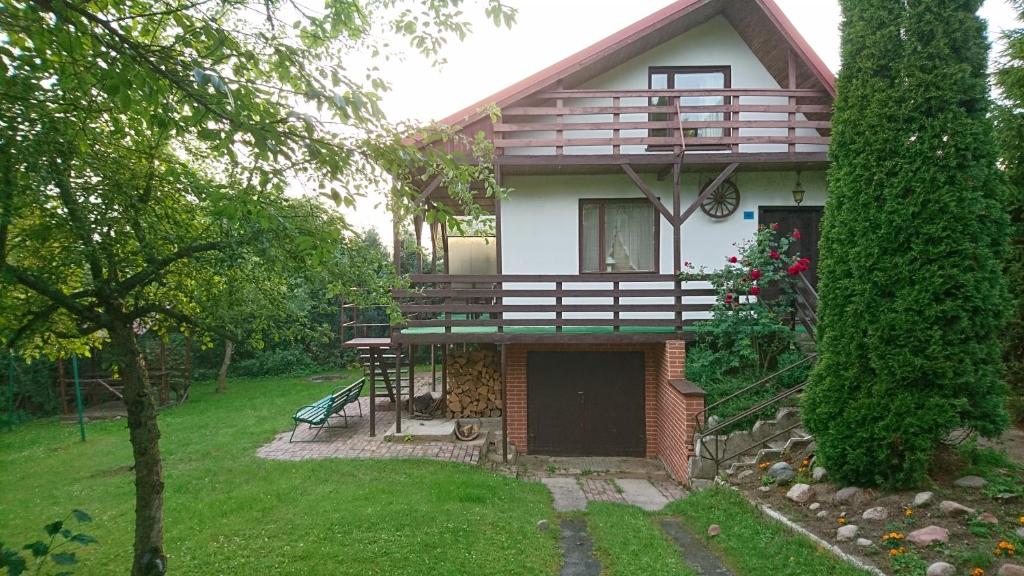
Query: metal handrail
x=760 y=382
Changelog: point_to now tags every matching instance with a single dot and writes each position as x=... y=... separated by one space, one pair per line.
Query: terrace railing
x=614 y=301
x=632 y=121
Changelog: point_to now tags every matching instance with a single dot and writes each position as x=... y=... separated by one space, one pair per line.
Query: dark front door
x=807 y=219
x=585 y=403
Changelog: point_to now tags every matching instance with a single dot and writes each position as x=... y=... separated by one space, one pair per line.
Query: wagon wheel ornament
x=723 y=201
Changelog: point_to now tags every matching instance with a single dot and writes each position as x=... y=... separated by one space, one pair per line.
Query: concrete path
x=567 y=494
x=642 y=493
x=693 y=550
x=578 y=549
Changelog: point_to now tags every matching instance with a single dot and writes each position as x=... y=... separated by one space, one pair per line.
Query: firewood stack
x=474 y=384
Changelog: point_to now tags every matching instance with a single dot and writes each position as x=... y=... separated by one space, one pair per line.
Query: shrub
x=284 y=362
x=912 y=297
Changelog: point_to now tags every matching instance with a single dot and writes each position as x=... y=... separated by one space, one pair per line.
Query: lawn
x=229 y=512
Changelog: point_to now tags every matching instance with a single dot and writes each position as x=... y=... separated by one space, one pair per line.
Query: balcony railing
x=660 y=121
x=547 y=304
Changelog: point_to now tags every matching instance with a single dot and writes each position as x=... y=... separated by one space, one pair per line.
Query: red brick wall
x=676 y=411
x=515 y=388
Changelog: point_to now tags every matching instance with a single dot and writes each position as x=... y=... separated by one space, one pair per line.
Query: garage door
x=585 y=403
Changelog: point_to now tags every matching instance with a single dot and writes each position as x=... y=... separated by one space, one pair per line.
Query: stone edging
x=835 y=550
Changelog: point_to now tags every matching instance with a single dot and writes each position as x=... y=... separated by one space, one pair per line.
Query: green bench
x=319 y=415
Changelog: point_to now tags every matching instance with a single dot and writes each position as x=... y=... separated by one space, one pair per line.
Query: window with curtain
x=691 y=78
x=618 y=236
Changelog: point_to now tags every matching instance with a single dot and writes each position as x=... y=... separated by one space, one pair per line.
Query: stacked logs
x=474 y=384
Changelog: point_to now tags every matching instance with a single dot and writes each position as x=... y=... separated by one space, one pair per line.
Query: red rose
x=804 y=264
x=755 y=274
x=793 y=270
x=774 y=255
x=728 y=298
x=775 y=226
x=733 y=259
x=796 y=234
x=755 y=290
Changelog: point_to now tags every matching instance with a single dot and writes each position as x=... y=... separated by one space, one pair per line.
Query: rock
x=542 y=526
x=849 y=495
x=821 y=514
x=971 y=482
x=941 y=569
x=799 y=493
x=928 y=535
x=712 y=422
x=819 y=473
x=923 y=499
x=744 y=474
x=988 y=518
x=863 y=542
x=764 y=488
x=815 y=505
x=1011 y=570
x=1020 y=532
x=847 y=533
x=950 y=508
x=781 y=472
x=876 y=514
x=714 y=530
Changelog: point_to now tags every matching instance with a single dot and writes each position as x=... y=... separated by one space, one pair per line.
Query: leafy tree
x=912 y=295
x=1010 y=134
x=143 y=140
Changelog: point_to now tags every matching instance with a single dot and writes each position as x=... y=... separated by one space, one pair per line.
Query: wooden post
x=677 y=241
x=412 y=375
x=373 y=392
x=497 y=244
x=418 y=225
x=504 y=407
x=398 y=389
x=444 y=372
x=433 y=369
x=396 y=228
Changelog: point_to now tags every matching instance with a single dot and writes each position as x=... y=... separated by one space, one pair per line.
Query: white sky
x=547 y=31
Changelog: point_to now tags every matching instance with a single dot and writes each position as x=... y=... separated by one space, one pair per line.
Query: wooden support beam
x=722 y=177
x=417 y=222
x=677 y=206
x=431 y=187
x=648 y=193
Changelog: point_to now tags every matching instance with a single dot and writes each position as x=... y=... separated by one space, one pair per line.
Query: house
x=664 y=143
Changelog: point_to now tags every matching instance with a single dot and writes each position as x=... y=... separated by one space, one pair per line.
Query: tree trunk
x=222 y=376
x=149 y=558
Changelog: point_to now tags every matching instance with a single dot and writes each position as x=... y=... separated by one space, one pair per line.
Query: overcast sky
x=547 y=31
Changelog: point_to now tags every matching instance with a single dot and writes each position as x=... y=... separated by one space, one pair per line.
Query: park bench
x=319 y=415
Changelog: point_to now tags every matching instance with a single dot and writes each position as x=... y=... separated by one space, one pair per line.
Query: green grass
x=752 y=545
x=629 y=543
x=229 y=512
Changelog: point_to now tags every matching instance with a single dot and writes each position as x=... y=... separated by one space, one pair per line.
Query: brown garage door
x=585 y=403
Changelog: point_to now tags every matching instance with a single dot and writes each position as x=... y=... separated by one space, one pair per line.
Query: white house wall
x=540 y=222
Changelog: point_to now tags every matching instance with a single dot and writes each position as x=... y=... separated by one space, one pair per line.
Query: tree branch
x=150 y=272
x=181 y=318
x=51 y=293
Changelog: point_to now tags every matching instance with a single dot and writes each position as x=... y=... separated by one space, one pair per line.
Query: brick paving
x=601 y=490
x=355 y=441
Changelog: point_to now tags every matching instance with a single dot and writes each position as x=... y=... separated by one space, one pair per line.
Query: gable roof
x=761 y=24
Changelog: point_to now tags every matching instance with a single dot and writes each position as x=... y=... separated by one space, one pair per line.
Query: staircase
x=388 y=369
x=721 y=449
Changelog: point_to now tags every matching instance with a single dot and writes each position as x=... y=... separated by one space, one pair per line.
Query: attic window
x=691 y=78
x=618 y=236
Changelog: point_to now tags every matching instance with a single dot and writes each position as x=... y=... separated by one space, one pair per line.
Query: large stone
x=850 y=495
x=1011 y=570
x=863 y=542
x=941 y=569
x=1020 y=532
x=971 y=482
x=814 y=506
x=744 y=474
x=822 y=514
x=988 y=518
x=928 y=535
x=818 y=473
x=781 y=472
x=714 y=530
x=923 y=499
x=800 y=493
x=876 y=514
x=950 y=508
x=847 y=533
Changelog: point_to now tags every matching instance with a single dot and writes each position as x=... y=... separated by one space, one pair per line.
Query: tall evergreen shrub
x=912 y=293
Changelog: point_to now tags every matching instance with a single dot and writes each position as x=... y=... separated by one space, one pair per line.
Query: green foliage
x=1009 y=118
x=1004 y=476
x=55 y=550
x=908 y=564
x=279 y=362
x=912 y=296
x=630 y=543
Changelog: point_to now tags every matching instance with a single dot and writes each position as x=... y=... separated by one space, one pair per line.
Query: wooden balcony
x=650 y=128
x=550 y=308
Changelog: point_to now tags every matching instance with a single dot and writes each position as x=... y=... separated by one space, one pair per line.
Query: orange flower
x=977 y=572
x=908 y=512
x=1005 y=548
x=842 y=520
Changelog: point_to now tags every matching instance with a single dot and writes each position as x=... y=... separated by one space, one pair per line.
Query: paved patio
x=355 y=441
